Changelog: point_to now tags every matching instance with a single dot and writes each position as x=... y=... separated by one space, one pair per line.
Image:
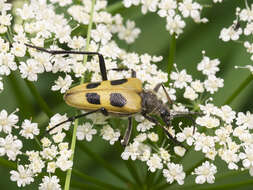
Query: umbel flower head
x=216 y=132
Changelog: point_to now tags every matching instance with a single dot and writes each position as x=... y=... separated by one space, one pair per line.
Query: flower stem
x=73 y=143
x=239 y=89
x=88 y=36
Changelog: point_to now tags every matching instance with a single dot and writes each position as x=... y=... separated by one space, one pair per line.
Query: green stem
x=73 y=143
x=172 y=52
x=239 y=89
x=105 y=164
x=88 y=36
x=114 y=7
x=95 y=181
x=39 y=99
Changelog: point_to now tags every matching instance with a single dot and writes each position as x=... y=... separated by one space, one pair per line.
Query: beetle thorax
x=151 y=104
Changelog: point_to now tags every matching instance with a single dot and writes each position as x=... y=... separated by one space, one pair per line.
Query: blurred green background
x=154 y=39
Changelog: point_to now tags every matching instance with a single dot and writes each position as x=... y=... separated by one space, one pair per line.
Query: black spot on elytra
x=116 y=99
x=93 y=98
x=118 y=82
x=93 y=85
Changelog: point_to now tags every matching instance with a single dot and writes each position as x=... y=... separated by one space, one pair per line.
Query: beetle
x=123 y=98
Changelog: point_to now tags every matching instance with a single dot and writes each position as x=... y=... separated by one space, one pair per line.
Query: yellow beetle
x=123 y=97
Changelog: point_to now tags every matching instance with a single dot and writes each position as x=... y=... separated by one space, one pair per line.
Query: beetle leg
x=55 y=52
x=127 y=135
x=70 y=119
x=155 y=121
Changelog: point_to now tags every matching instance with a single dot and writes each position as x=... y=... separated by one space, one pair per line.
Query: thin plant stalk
x=73 y=143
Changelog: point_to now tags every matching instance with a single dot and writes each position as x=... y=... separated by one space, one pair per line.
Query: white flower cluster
x=53 y=155
x=174 y=11
x=229 y=133
x=241 y=29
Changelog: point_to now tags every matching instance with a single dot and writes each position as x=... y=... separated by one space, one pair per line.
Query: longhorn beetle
x=124 y=97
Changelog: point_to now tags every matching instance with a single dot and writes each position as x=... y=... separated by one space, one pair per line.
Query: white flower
x=213 y=83
x=230 y=34
x=180 y=151
x=175 y=24
x=230 y=157
x=58 y=137
x=132 y=150
x=49 y=152
x=10 y=146
x=109 y=134
x=56 y=119
x=18 y=49
x=246 y=14
x=129 y=33
x=174 y=173
x=180 y=78
x=62 y=84
x=36 y=165
x=85 y=132
x=205 y=173
x=189 y=8
x=29 y=69
x=50 y=183
x=7 y=122
x=186 y=134
x=208 y=121
x=167 y=8
x=51 y=167
x=227 y=114
x=63 y=163
x=154 y=162
x=190 y=93
x=77 y=42
x=43 y=60
x=29 y=129
x=45 y=142
x=208 y=67
x=23 y=176
x=150 y=5
x=247 y=157
x=7 y=63
x=245 y=119
x=204 y=143
x=197 y=86
x=145 y=125
x=153 y=137
x=101 y=34
x=164 y=154
x=128 y=3
x=26 y=12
